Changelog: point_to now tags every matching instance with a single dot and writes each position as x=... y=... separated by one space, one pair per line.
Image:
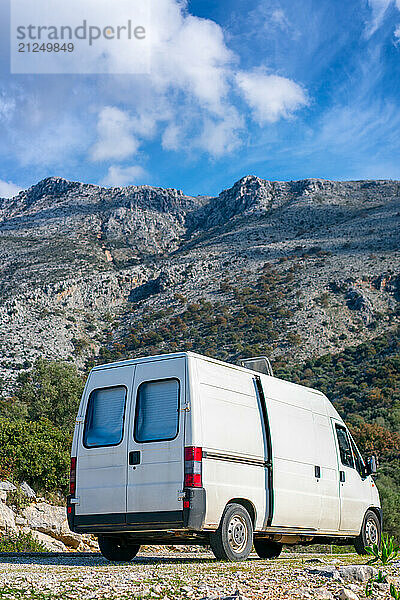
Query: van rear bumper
x=191 y=518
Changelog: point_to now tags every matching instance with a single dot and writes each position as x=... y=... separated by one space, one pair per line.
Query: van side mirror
x=372 y=465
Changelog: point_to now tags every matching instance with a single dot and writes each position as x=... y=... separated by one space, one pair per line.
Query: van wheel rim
x=371 y=533
x=237 y=533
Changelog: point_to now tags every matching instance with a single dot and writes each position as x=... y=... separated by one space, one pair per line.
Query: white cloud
x=122 y=176
x=271 y=97
x=397 y=32
x=189 y=54
x=115 y=139
x=172 y=137
x=7 y=107
x=189 y=99
x=188 y=102
x=220 y=136
x=378 y=10
x=8 y=189
x=279 y=18
x=49 y=143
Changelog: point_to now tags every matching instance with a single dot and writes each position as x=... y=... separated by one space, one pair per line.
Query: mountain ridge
x=72 y=256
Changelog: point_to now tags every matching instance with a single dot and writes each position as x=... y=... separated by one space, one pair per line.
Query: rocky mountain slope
x=296 y=269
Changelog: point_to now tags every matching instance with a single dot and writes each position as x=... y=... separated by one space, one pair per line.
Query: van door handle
x=134 y=458
x=342 y=476
x=317 y=472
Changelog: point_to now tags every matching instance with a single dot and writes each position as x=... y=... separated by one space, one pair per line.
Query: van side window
x=104 y=424
x=157 y=411
x=346 y=455
x=360 y=465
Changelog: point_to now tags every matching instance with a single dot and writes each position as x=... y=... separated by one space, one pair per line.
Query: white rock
x=3 y=496
x=359 y=573
x=345 y=594
x=235 y=596
x=304 y=592
x=52 y=521
x=7 y=486
x=48 y=542
x=7 y=519
x=91 y=541
x=187 y=590
x=322 y=594
x=27 y=490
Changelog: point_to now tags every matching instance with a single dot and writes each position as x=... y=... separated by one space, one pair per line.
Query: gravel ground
x=176 y=575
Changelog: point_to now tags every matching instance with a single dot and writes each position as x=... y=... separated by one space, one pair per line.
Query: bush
x=18 y=499
x=20 y=542
x=38 y=451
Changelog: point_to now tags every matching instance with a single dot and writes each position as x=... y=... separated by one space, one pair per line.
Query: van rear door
x=156 y=443
x=102 y=445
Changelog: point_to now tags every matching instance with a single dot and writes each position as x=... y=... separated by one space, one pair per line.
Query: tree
x=51 y=390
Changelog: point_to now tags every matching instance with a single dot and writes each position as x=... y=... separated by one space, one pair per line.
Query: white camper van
x=184 y=449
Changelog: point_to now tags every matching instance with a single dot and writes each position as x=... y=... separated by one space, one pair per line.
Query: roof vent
x=258 y=363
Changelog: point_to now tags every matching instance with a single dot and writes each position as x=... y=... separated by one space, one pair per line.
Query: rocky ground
x=21 y=512
x=74 y=569
x=182 y=576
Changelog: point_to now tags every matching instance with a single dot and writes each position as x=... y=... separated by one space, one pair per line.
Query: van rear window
x=157 y=411
x=104 y=425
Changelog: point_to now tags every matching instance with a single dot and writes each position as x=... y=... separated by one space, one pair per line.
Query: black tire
x=370 y=533
x=116 y=550
x=267 y=548
x=233 y=539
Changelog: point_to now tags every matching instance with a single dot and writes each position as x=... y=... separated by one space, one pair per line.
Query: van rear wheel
x=267 y=548
x=233 y=539
x=115 y=549
x=370 y=533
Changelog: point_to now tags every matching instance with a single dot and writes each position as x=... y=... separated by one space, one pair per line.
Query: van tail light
x=193 y=467
x=72 y=477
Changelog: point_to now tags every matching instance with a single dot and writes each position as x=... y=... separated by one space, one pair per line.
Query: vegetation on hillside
x=247 y=320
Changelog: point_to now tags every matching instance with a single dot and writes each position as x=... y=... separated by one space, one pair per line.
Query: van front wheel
x=370 y=533
x=267 y=549
x=114 y=549
x=233 y=539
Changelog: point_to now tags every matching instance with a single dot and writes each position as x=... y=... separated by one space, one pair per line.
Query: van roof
x=135 y=361
x=144 y=359
x=331 y=411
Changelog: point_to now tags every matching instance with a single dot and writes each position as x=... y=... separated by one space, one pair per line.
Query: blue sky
x=281 y=89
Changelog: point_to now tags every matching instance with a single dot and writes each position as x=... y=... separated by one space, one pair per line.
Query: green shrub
x=39 y=453
x=18 y=499
x=20 y=542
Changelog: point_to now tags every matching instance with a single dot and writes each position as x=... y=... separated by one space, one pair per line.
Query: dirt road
x=179 y=576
